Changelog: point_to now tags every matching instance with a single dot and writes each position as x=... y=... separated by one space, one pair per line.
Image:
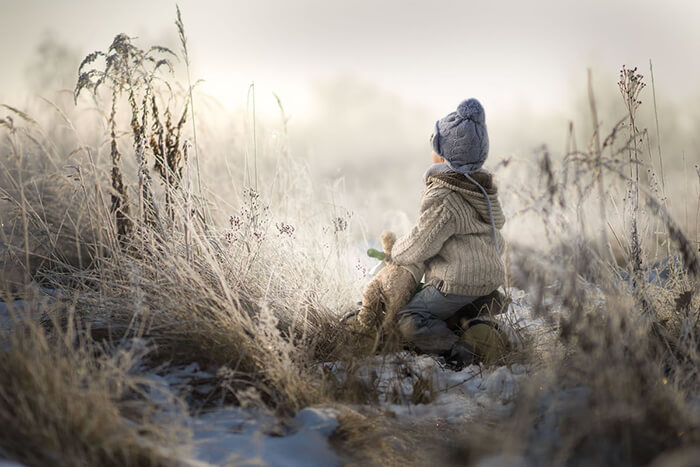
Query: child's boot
x=488 y=341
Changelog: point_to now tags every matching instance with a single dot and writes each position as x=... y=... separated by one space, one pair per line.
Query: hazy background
x=363 y=82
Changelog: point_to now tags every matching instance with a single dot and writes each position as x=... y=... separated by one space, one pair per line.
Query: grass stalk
x=251 y=104
x=23 y=206
x=599 y=173
x=186 y=55
x=631 y=85
x=658 y=131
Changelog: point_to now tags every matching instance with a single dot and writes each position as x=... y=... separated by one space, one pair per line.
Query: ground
x=244 y=435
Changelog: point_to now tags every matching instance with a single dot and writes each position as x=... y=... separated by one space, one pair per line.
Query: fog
x=363 y=82
x=509 y=53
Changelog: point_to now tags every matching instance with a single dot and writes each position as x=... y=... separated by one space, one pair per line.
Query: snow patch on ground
x=21 y=310
x=242 y=436
x=4 y=463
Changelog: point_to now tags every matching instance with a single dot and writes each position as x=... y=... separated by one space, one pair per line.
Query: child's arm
x=435 y=225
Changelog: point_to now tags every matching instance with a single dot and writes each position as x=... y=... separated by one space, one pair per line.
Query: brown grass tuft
x=65 y=401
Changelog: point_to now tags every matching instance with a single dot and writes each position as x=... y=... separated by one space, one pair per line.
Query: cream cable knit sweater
x=452 y=242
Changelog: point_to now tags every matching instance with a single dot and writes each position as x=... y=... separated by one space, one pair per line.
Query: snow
x=19 y=310
x=249 y=436
x=4 y=463
x=15 y=311
x=242 y=436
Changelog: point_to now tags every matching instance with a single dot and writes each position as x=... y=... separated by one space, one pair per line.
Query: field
x=171 y=293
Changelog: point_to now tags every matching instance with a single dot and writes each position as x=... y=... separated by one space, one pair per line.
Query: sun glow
x=269 y=98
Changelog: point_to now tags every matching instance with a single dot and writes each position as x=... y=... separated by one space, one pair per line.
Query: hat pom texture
x=461 y=137
x=471 y=109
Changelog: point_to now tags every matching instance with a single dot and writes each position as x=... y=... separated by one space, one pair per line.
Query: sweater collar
x=455 y=180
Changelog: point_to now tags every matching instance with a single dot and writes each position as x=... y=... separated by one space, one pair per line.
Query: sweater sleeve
x=435 y=225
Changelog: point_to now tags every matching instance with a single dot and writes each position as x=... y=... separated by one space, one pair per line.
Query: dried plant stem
x=194 y=133
x=255 y=141
x=186 y=55
x=120 y=205
x=685 y=180
x=251 y=100
x=688 y=251
x=599 y=166
x=281 y=175
x=697 y=210
x=17 y=148
x=630 y=86
x=658 y=132
x=188 y=193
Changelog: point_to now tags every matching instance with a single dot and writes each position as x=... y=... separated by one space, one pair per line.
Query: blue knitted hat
x=461 y=137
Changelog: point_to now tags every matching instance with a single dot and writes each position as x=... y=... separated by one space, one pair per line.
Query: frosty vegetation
x=163 y=307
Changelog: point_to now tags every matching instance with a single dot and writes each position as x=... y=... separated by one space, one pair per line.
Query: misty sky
x=432 y=54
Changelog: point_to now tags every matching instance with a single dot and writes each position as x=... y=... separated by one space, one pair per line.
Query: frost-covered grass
x=204 y=325
x=65 y=401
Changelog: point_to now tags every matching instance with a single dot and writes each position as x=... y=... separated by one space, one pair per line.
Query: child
x=456 y=241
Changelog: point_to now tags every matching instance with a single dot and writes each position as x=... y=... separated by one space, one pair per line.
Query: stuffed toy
x=388 y=292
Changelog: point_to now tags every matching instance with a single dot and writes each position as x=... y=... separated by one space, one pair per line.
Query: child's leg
x=422 y=321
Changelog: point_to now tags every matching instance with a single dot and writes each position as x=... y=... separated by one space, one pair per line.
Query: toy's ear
x=388 y=239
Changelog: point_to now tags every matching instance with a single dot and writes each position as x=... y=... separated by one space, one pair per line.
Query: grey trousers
x=422 y=321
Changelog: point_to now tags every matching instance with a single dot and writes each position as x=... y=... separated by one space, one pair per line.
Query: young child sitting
x=456 y=241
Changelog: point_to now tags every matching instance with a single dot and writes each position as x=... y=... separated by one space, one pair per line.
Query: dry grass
x=619 y=391
x=619 y=384
x=65 y=401
x=367 y=440
x=253 y=290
